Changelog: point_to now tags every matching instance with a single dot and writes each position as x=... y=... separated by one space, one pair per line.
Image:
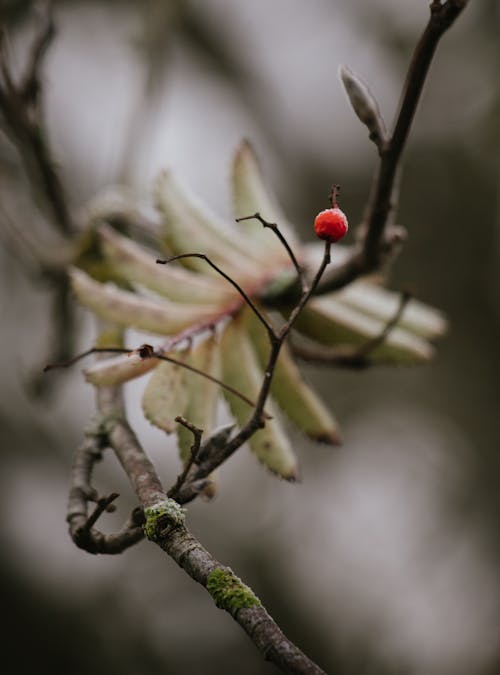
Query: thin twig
x=148 y=352
x=195 y=448
x=223 y=274
x=344 y=356
x=274 y=227
x=81 y=526
x=285 y=329
x=103 y=504
x=207 y=376
x=371 y=345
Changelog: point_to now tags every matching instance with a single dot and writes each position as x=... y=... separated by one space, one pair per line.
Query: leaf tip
x=328 y=438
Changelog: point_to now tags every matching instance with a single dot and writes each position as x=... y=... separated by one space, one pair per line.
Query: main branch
x=165 y=526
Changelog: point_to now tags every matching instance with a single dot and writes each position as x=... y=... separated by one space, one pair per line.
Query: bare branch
x=307 y=293
x=30 y=87
x=257 y=420
x=176 y=540
x=367 y=256
x=378 y=340
x=23 y=120
x=254 y=619
x=81 y=526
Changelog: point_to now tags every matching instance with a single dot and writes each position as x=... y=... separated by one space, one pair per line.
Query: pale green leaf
x=190 y=227
x=129 y=309
x=383 y=304
x=137 y=265
x=331 y=323
x=252 y=195
x=202 y=393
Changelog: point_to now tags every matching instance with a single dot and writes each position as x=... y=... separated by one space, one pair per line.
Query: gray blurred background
x=385 y=559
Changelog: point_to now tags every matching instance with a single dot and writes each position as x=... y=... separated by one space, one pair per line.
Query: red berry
x=331 y=224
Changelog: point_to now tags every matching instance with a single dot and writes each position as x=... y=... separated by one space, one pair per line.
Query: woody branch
x=172 y=536
x=21 y=113
x=376 y=239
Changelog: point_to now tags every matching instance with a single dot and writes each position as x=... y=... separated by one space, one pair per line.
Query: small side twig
x=103 y=504
x=378 y=340
x=223 y=274
x=195 y=448
x=148 y=352
x=81 y=526
x=349 y=357
x=274 y=227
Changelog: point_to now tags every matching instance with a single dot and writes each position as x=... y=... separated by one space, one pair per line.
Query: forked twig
x=177 y=541
x=148 y=352
x=81 y=526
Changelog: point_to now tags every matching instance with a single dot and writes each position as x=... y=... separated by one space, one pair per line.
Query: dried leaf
x=118 y=369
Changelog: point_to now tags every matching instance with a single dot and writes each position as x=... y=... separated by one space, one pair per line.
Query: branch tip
x=274 y=227
x=228 y=278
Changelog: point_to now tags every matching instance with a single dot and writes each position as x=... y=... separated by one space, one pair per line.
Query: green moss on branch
x=229 y=592
x=162 y=517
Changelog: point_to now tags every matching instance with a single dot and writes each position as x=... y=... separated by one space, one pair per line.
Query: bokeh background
x=385 y=559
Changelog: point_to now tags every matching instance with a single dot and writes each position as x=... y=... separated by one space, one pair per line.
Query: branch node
x=162 y=518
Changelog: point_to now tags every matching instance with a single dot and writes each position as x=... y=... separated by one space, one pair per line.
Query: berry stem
x=333 y=196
